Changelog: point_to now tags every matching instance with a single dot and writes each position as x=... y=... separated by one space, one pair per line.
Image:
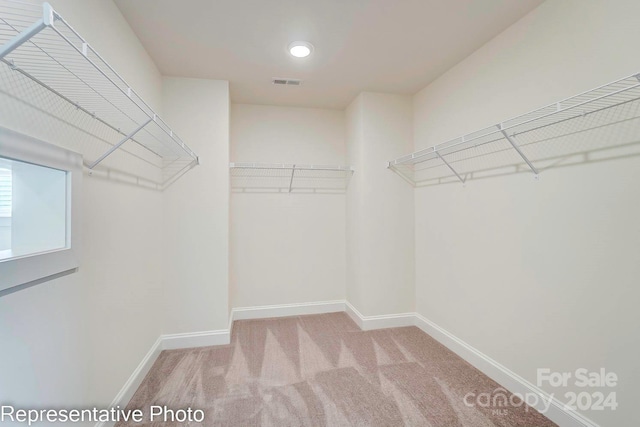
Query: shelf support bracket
x=515 y=147
x=115 y=147
x=449 y=166
x=19 y=39
x=293 y=171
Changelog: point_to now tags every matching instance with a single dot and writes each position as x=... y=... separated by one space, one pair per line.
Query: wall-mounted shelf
x=56 y=87
x=288 y=178
x=604 y=118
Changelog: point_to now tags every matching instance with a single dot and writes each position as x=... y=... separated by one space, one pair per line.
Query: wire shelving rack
x=289 y=178
x=56 y=87
x=599 y=119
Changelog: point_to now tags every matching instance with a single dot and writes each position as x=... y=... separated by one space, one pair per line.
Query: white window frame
x=28 y=268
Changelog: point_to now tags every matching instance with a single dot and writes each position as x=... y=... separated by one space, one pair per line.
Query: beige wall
x=536 y=273
x=380 y=229
x=287 y=248
x=196 y=209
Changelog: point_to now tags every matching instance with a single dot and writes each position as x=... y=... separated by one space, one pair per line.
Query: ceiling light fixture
x=300 y=49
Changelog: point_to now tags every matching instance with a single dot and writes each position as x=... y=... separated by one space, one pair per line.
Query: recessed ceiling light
x=300 y=49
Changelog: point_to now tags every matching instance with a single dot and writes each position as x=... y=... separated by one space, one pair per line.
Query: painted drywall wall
x=287 y=248
x=196 y=209
x=74 y=341
x=380 y=226
x=537 y=274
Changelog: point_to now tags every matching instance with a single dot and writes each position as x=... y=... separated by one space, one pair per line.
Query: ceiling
x=393 y=46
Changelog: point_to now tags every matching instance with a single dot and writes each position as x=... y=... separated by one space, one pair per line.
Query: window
x=5 y=207
x=39 y=191
x=35 y=220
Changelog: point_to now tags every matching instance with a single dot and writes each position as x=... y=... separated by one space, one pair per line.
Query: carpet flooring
x=322 y=370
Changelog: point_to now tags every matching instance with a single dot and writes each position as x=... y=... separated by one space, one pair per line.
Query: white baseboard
x=368 y=323
x=196 y=339
x=503 y=376
x=164 y=342
x=284 y=310
x=128 y=390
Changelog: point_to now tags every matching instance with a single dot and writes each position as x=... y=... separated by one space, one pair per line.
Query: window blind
x=5 y=192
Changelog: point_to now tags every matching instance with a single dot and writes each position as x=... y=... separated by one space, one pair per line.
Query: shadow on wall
x=608 y=133
x=578 y=158
x=127 y=178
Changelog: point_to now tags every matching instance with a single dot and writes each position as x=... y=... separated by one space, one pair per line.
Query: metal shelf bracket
x=515 y=147
x=119 y=144
x=293 y=171
x=449 y=166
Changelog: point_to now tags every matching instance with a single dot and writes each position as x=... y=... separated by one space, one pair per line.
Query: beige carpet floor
x=322 y=370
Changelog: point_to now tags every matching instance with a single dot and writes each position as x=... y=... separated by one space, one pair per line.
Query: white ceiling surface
x=393 y=46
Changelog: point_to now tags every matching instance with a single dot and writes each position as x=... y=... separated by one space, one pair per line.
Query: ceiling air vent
x=288 y=82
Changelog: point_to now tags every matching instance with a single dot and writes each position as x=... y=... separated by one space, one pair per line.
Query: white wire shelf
x=56 y=87
x=289 y=178
x=602 y=119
